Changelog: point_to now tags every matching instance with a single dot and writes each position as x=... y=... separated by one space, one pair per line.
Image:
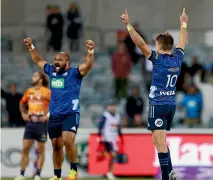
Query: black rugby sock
x=38 y=172
x=22 y=172
x=73 y=166
x=57 y=173
x=164 y=164
x=170 y=162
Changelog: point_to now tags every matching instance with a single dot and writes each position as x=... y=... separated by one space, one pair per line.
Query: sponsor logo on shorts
x=44 y=137
x=158 y=122
x=57 y=83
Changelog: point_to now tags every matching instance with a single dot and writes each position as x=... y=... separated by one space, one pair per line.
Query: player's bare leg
x=58 y=157
x=112 y=159
x=111 y=166
x=69 y=142
x=27 y=144
x=41 y=157
x=159 y=140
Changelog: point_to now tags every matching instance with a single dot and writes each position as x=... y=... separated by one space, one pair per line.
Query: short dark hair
x=166 y=41
x=45 y=80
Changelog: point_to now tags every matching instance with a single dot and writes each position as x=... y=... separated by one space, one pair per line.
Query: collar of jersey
x=60 y=73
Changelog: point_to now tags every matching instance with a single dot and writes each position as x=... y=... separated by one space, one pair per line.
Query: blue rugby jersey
x=65 y=90
x=166 y=69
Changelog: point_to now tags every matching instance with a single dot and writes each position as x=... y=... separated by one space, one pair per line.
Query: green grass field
x=90 y=179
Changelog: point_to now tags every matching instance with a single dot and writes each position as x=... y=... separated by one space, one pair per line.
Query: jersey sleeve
x=24 y=99
x=48 y=68
x=77 y=72
x=180 y=53
x=153 y=56
x=102 y=121
x=119 y=126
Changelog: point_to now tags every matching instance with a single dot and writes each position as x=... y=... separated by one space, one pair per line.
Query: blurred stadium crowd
x=120 y=72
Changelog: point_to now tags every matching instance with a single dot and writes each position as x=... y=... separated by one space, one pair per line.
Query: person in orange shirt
x=34 y=107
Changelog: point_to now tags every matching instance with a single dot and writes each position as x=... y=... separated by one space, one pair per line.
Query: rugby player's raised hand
x=183 y=17
x=28 y=42
x=183 y=30
x=85 y=67
x=36 y=57
x=90 y=45
x=136 y=38
x=125 y=17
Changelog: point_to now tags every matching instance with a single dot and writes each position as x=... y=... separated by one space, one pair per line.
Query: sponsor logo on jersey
x=158 y=122
x=167 y=93
x=174 y=69
x=57 y=83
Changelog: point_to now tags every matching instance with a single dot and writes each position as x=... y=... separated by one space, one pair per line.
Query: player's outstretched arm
x=89 y=60
x=136 y=38
x=36 y=57
x=183 y=30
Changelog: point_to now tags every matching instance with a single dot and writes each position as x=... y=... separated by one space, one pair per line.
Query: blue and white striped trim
x=152 y=111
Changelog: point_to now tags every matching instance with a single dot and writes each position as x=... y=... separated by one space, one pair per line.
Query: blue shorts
x=56 y=125
x=36 y=131
x=109 y=147
x=160 y=117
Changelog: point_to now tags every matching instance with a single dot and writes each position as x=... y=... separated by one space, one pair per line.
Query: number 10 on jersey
x=171 y=80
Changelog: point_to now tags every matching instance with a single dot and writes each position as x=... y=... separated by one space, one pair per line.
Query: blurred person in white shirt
x=207 y=91
x=109 y=131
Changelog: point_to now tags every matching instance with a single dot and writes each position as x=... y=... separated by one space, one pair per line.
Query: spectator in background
x=207 y=92
x=132 y=47
x=182 y=77
x=4 y=114
x=74 y=27
x=121 y=68
x=134 y=109
x=12 y=105
x=196 y=68
x=55 y=23
x=49 y=11
x=192 y=104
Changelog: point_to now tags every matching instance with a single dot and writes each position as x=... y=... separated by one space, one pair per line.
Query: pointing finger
x=184 y=11
x=126 y=11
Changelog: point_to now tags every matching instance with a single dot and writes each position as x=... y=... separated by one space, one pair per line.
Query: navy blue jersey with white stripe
x=65 y=90
x=166 y=69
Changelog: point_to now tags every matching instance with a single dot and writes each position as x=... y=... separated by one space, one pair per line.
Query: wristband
x=184 y=25
x=129 y=27
x=48 y=114
x=32 y=47
x=91 y=51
